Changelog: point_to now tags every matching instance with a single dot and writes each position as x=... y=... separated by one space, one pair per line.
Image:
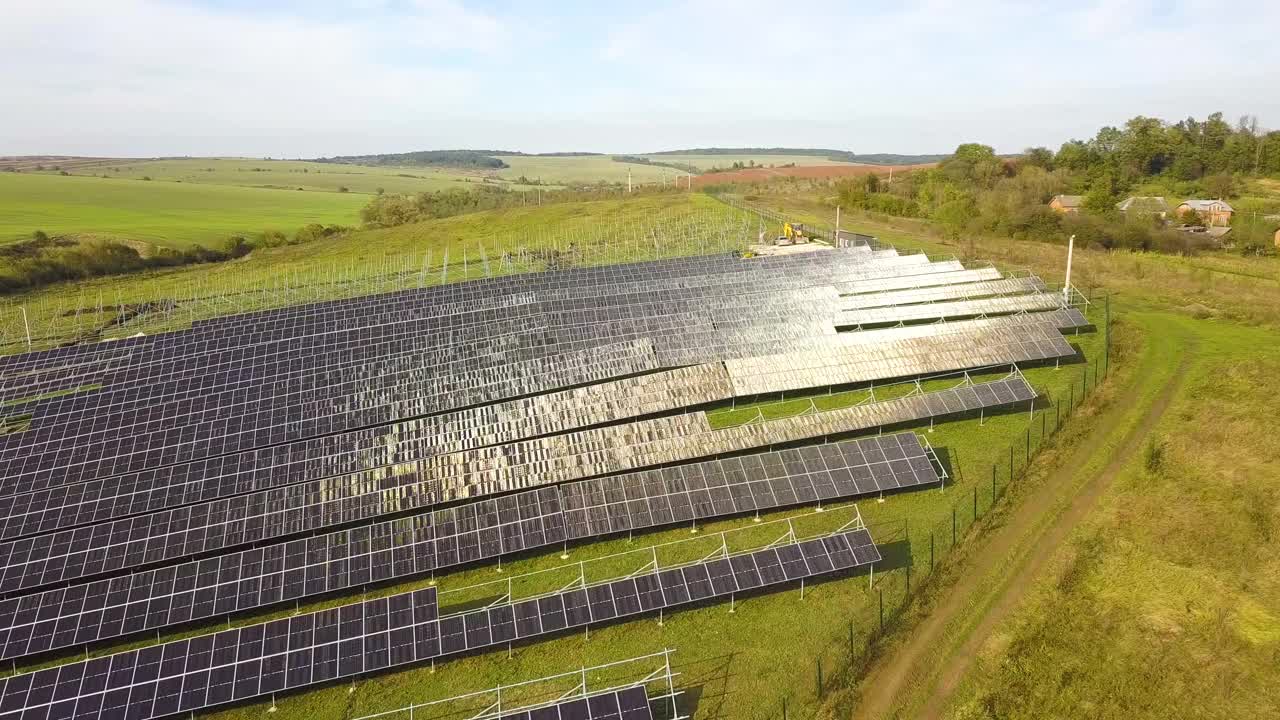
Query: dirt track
x=888 y=678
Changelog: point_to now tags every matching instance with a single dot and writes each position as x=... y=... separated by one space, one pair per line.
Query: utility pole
x=628 y=181
x=1066 y=288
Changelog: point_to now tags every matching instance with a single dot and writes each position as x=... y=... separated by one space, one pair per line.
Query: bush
x=274 y=238
x=44 y=260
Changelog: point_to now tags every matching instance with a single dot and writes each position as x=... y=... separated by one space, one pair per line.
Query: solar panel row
x=220 y=525
x=311 y=648
x=104 y=498
x=433 y=301
x=952 y=309
x=172 y=442
x=958 y=291
x=483 y=530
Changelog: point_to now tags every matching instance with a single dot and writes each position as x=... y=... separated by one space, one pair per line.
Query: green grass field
x=294 y=174
x=163 y=213
x=1169 y=595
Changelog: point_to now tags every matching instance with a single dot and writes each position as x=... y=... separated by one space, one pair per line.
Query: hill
x=431 y=158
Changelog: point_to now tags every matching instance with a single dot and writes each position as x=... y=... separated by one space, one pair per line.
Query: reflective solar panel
x=241 y=664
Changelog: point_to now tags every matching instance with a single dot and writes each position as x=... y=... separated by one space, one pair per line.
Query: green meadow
x=163 y=213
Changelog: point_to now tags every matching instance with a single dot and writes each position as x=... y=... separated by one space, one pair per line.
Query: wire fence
x=76 y=315
x=913 y=553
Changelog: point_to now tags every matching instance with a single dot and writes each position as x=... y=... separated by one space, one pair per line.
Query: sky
x=309 y=78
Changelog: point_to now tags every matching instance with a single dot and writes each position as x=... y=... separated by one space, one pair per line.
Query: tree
x=1220 y=185
x=1041 y=157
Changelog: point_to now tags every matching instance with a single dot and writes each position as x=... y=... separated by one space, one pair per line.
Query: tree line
x=976 y=191
x=43 y=259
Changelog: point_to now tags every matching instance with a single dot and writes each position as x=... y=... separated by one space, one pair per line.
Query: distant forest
x=441 y=158
x=836 y=155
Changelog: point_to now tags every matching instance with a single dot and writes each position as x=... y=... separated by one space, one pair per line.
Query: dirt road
x=1036 y=529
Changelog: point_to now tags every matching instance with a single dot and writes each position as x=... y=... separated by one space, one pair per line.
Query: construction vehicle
x=792 y=234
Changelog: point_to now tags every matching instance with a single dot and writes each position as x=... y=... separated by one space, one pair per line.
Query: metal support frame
x=663 y=675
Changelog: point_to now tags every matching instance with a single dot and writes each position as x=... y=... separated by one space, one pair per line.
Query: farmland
x=166 y=213
x=291 y=175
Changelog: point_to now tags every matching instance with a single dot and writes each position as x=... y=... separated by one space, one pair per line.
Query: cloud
x=300 y=78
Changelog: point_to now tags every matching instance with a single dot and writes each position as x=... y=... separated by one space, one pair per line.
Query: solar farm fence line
x=847 y=655
x=516 y=699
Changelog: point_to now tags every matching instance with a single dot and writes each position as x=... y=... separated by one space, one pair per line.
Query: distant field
x=287 y=174
x=164 y=213
x=582 y=169
x=706 y=162
x=812 y=172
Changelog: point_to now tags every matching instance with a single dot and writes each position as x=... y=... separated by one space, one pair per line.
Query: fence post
x=882 y=610
x=993 y=483
x=908 y=595
x=975 y=504
x=1010 y=464
x=819 y=677
x=1107 y=324
x=1043 y=420
x=930 y=552
x=1028 y=446
x=850 y=642
x=1071 y=404
x=953 y=526
x=784 y=709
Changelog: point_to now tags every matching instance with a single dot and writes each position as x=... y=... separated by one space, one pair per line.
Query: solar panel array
x=286 y=454
x=311 y=648
x=484 y=530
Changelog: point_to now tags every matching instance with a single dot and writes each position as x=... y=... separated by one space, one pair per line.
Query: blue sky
x=297 y=79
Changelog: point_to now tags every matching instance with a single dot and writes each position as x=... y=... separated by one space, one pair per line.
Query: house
x=1067 y=204
x=1134 y=206
x=1214 y=212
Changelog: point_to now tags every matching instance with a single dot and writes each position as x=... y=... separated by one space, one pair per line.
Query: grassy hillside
x=1169 y=595
x=166 y=213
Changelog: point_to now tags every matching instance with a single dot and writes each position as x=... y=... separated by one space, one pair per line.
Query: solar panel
x=303 y=650
x=627 y=704
x=951 y=309
x=200 y=529
x=405 y=547
x=958 y=291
